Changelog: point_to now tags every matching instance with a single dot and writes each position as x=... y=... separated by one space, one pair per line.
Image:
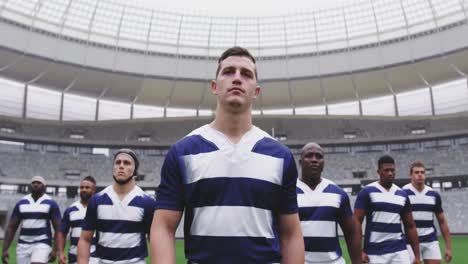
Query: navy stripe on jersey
x=239 y=250
x=233 y=191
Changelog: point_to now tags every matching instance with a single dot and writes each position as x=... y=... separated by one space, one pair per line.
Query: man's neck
x=123 y=190
x=84 y=203
x=312 y=182
x=417 y=186
x=36 y=196
x=233 y=125
x=386 y=186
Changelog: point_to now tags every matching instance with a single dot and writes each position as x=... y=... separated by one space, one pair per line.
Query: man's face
x=387 y=173
x=418 y=175
x=37 y=187
x=124 y=166
x=87 y=190
x=312 y=162
x=236 y=84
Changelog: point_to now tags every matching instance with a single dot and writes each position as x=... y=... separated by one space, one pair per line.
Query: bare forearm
x=292 y=249
x=9 y=234
x=84 y=248
x=60 y=242
x=354 y=247
x=162 y=246
x=444 y=229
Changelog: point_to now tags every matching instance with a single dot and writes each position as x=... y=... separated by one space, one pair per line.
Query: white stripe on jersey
x=421 y=199
x=387 y=198
x=318 y=228
x=377 y=237
x=214 y=165
x=423 y=231
x=386 y=217
x=34 y=223
x=76 y=232
x=32 y=238
x=423 y=215
x=119 y=240
x=313 y=257
x=34 y=208
x=74 y=249
x=318 y=199
x=78 y=214
x=120 y=212
x=228 y=223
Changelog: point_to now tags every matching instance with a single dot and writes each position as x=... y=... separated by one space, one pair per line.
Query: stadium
x=80 y=79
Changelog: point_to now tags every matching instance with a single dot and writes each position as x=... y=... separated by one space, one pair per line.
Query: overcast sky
x=240 y=7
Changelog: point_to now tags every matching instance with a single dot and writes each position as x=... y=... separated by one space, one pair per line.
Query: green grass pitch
x=459 y=250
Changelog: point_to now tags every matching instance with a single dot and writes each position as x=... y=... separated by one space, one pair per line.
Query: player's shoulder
x=332 y=187
x=75 y=206
x=266 y=144
x=197 y=141
x=46 y=199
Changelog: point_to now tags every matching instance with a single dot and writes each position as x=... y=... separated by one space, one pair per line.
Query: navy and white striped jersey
x=120 y=226
x=383 y=208
x=232 y=194
x=72 y=219
x=320 y=211
x=424 y=205
x=35 y=217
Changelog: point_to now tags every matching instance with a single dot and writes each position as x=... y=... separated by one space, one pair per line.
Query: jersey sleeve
x=16 y=214
x=362 y=200
x=65 y=222
x=149 y=212
x=407 y=207
x=438 y=204
x=90 y=220
x=288 y=204
x=54 y=211
x=170 y=191
x=345 y=207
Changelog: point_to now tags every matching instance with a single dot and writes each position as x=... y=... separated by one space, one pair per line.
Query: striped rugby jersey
x=424 y=205
x=73 y=218
x=383 y=208
x=320 y=211
x=35 y=217
x=120 y=226
x=232 y=194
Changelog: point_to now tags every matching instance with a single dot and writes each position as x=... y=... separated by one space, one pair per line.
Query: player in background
x=72 y=221
x=426 y=203
x=322 y=206
x=385 y=207
x=34 y=212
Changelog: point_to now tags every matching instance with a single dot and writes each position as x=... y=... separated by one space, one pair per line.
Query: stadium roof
x=105 y=59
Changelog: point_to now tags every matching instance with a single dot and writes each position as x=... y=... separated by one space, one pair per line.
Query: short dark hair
x=416 y=163
x=385 y=159
x=235 y=51
x=90 y=179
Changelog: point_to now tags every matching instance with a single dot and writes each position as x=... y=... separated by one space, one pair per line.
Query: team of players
x=242 y=201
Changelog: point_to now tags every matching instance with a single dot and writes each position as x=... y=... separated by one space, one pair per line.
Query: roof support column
x=319 y=69
x=25 y=100
x=176 y=70
x=291 y=100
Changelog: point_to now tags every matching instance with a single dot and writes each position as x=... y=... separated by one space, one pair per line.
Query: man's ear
x=214 y=87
